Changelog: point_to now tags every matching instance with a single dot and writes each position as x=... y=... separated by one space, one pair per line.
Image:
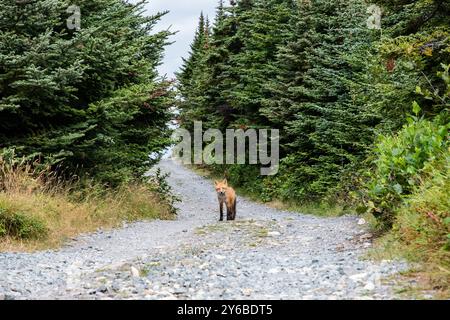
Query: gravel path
x=265 y=254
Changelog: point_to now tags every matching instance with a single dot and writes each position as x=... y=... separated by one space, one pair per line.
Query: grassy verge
x=421 y=235
x=40 y=212
x=425 y=279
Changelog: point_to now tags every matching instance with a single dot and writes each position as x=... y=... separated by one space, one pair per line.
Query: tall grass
x=421 y=233
x=39 y=210
x=423 y=229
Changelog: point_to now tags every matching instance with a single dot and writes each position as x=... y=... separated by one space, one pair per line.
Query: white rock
x=370 y=286
x=135 y=272
x=219 y=257
x=358 y=277
x=361 y=221
x=274 y=234
x=247 y=292
x=291 y=271
x=367 y=244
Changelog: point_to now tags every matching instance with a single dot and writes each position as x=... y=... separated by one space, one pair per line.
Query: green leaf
x=361 y=209
x=419 y=90
x=398 y=188
x=416 y=108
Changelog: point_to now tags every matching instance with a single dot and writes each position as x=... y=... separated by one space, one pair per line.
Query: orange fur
x=227 y=196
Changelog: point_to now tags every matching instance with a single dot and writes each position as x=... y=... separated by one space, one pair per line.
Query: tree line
x=85 y=102
x=337 y=89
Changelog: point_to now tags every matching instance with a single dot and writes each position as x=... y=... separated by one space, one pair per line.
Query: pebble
x=358 y=277
x=361 y=221
x=247 y=292
x=369 y=286
x=102 y=289
x=226 y=261
x=135 y=272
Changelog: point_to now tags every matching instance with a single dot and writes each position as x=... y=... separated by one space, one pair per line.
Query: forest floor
x=265 y=254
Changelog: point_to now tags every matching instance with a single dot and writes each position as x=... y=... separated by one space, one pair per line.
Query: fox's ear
x=216 y=182
x=225 y=181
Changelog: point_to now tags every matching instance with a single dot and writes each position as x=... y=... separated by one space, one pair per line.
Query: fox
x=227 y=195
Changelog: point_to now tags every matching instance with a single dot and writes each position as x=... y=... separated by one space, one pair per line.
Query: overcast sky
x=183 y=17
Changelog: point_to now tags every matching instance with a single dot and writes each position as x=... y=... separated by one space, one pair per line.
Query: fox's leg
x=221 y=211
x=234 y=210
x=229 y=213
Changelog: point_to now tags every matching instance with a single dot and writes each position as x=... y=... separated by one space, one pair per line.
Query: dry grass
x=424 y=279
x=65 y=208
x=421 y=235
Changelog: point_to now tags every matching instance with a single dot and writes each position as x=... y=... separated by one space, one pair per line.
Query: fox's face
x=221 y=187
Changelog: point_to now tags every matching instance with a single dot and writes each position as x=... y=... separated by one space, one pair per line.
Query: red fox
x=226 y=195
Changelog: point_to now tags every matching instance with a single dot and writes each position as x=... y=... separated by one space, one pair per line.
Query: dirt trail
x=265 y=254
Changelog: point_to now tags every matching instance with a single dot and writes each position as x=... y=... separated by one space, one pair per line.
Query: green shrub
x=159 y=185
x=20 y=226
x=421 y=231
x=399 y=163
x=423 y=223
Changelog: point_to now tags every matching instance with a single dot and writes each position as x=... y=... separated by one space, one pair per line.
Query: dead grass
x=66 y=209
x=421 y=235
x=424 y=280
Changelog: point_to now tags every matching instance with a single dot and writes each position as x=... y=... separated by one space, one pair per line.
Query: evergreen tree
x=243 y=44
x=202 y=100
x=415 y=42
x=316 y=71
x=87 y=100
x=288 y=72
x=262 y=28
x=324 y=128
x=197 y=47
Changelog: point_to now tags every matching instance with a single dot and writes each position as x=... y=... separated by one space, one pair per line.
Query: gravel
x=265 y=254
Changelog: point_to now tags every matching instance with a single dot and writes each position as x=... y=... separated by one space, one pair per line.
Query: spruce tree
x=87 y=101
x=262 y=28
x=324 y=129
x=198 y=45
x=415 y=42
x=203 y=99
